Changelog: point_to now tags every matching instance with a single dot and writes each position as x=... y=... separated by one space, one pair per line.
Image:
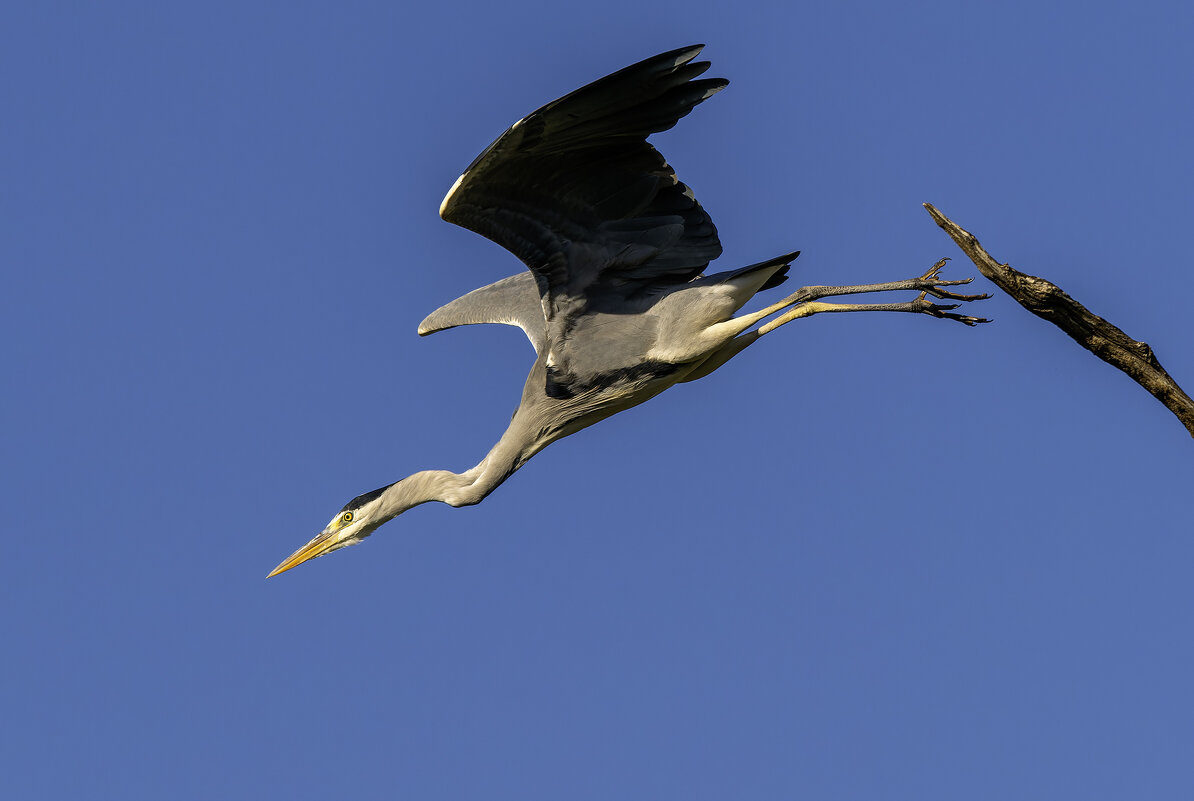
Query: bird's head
x=357 y=520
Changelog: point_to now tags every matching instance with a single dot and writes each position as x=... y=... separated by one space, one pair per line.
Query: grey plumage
x=513 y=301
x=615 y=300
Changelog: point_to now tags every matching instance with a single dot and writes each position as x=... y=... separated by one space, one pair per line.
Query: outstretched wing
x=513 y=301
x=576 y=193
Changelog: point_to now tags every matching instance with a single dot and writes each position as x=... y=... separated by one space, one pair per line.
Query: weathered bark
x=1048 y=301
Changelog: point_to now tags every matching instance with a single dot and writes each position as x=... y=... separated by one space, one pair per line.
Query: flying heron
x=614 y=299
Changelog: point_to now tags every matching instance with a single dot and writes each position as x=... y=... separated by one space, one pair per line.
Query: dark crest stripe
x=361 y=500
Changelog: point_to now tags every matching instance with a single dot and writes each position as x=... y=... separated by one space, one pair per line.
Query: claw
x=965 y=319
x=933 y=285
x=945 y=311
x=946 y=295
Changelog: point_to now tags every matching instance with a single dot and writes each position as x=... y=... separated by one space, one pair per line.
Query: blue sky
x=876 y=556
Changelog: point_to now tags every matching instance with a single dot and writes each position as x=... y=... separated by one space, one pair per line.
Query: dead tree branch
x=1048 y=301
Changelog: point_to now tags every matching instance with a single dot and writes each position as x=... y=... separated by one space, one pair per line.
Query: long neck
x=517 y=445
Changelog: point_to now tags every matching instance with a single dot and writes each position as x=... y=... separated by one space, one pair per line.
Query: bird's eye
x=346 y=517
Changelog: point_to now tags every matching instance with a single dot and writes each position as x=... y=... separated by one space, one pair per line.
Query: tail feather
x=780 y=276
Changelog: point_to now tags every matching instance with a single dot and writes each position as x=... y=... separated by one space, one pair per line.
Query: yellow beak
x=323 y=542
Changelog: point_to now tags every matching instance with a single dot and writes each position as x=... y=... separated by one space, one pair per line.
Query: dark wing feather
x=576 y=193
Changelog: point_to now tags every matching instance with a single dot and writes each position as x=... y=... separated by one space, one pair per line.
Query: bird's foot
x=944 y=310
x=931 y=284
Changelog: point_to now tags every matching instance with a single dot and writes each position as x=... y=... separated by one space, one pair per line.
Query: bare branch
x=1048 y=301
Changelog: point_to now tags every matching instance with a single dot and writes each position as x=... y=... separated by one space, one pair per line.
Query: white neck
x=464 y=489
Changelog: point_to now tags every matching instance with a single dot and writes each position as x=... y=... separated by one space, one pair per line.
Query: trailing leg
x=804 y=302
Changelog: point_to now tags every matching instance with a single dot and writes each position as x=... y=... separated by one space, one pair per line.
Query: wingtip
x=443 y=206
x=683 y=55
x=717 y=84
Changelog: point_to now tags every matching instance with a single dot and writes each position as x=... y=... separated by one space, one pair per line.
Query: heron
x=615 y=299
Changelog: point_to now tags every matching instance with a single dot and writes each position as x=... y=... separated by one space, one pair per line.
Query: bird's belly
x=607 y=393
